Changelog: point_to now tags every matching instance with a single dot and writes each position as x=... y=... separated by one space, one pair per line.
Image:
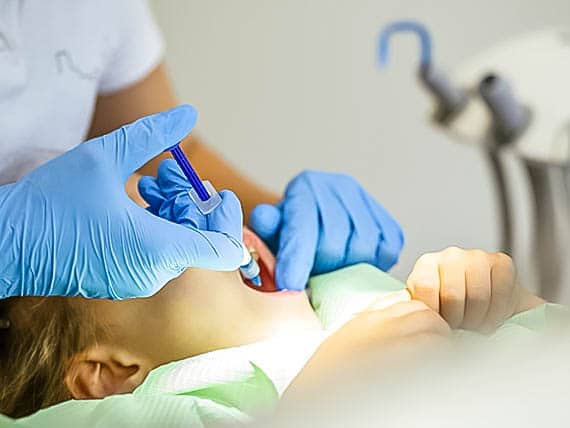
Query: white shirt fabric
x=56 y=56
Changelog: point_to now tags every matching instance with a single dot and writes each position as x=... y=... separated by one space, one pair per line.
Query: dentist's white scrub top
x=56 y=56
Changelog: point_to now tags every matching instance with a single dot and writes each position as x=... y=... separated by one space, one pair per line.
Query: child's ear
x=102 y=371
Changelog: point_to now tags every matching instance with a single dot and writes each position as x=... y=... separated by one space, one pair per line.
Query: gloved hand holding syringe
x=207 y=199
x=75 y=244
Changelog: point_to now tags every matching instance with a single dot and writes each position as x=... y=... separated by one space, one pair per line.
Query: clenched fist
x=471 y=289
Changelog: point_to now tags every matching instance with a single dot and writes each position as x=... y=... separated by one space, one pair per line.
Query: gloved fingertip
x=388 y=256
x=150 y=192
x=265 y=220
x=290 y=279
x=133 y=145
x=171 y=179
x=231 y=204
x=145 y=182
x=229 y=197
x=182 y=119
x=169 y=166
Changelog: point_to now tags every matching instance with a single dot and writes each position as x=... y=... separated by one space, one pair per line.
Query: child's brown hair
x=38 y=338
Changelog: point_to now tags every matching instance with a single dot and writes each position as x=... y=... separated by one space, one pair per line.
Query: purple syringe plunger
x=202 y=193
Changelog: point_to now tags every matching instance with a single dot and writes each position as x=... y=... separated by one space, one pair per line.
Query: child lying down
x=208 y=334
x=62 y=348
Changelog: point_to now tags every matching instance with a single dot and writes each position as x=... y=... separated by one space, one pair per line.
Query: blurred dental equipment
x=511 y=97
x=449 y=98
x=207 y=199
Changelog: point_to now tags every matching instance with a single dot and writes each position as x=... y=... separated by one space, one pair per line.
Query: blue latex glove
x=167 y=196
x=69 y=228
x=325 y=222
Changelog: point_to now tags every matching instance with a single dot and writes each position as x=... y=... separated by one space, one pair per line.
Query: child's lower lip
x=269 y=287
x=267 y=278
x=266 y=262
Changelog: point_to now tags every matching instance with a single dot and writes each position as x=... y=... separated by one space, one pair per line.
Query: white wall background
x=284 y=85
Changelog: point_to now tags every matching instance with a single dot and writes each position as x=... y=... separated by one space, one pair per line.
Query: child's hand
x=471 y=289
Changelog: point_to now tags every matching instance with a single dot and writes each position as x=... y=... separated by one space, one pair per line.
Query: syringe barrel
x=251 y=269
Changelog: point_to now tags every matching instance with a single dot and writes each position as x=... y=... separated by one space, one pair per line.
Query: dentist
x=65 y=230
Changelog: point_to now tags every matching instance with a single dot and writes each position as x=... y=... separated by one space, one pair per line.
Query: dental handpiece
x=207 y=199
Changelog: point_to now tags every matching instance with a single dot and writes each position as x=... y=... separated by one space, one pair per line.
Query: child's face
x=199 y=311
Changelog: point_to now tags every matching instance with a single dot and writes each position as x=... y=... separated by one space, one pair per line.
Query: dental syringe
x=207 y=199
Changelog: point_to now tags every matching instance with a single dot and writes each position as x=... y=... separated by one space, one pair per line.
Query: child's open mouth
x=264 y=258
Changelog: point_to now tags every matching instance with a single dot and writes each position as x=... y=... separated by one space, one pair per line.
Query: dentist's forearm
x=154 y=94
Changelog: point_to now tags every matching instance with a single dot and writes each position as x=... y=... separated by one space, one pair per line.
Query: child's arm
x=471 y=289
x=387 y=337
